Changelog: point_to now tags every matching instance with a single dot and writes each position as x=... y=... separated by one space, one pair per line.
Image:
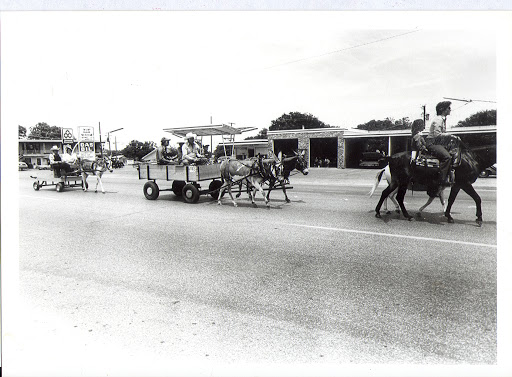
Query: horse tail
x=378 y=177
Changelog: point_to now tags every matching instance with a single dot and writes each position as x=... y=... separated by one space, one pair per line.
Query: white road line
x=394 y=235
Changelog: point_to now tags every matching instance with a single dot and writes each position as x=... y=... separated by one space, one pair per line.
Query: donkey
x=473 y=161
x=95 y=167
x=233 y=171
x=285 y=165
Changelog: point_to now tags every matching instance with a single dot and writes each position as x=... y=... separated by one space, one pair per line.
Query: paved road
x=162 y=284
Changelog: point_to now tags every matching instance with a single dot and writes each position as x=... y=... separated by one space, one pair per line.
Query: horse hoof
x=288 y=201
x=388 y=212
x=418 y=214
x=409 y=218
x=236 y=205
x=479 y=222
x=450 y=220
x=377 y=215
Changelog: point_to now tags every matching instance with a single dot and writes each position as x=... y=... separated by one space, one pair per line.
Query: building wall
x=304 y=136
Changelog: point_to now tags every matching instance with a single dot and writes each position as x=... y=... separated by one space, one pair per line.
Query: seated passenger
x=70 y=158
x=191 y=152
x=59 y=167
x=419 y=145
x=164 y=155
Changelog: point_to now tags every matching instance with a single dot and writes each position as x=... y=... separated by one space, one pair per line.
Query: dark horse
x=473 y=161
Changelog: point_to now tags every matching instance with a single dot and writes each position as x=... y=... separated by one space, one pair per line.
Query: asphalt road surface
x=114 y=283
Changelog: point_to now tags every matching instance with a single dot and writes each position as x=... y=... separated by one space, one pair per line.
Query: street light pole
x=108 y=139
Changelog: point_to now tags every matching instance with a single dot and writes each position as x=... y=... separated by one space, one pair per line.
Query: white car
x=22 y=165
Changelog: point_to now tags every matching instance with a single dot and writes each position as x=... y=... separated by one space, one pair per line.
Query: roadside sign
x=67 y=135
x=86 y=149
x=86 y=142
x=86 y=133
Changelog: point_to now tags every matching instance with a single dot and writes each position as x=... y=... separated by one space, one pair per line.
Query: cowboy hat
x=190 y=135
x=55 y=148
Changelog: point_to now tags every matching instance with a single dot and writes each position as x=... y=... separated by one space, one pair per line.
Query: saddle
x=426 y=161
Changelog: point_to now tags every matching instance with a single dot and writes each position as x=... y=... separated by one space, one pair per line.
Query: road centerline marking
x=393 y=235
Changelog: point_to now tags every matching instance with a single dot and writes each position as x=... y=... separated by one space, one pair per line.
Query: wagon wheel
x=177 y=187
x=190 y=193
x=59 y=187
x=151 y=190
x=214 y=187
x=36 y=186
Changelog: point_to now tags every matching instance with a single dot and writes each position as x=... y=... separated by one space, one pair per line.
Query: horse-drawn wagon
x=187 y=180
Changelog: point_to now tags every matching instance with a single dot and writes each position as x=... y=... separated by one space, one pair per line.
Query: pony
x=284 y=166
x=387 y=174
x=252 y=171
x=472 y=162
x=94 y=167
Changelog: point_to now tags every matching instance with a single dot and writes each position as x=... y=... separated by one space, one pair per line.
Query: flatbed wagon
x=185 y=180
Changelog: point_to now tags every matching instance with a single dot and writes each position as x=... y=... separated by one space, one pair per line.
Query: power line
x=343 y=49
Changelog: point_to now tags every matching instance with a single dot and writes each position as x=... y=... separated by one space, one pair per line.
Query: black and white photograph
x=255 y=192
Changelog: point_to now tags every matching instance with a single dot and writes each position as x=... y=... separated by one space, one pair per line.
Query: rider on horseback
x=419 y=144
x=442 y=145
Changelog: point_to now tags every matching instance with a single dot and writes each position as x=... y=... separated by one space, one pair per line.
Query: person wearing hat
x=59 y=167
x=164 y=154
x=440 y=144
x=191 y=151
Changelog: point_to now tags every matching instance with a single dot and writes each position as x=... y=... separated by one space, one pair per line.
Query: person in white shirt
x=438 y=140
x=191 y=151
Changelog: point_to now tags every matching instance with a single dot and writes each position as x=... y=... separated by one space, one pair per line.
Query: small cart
x=49 y=178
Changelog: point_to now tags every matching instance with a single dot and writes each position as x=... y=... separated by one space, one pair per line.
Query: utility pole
x=101 y=146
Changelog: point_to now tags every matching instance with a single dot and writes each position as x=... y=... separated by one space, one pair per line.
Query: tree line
x=290 y=121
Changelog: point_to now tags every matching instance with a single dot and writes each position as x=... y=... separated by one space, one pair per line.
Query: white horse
x=95 y=167
x=385 y=171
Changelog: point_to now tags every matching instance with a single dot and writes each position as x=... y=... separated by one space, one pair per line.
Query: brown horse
x=473 y=161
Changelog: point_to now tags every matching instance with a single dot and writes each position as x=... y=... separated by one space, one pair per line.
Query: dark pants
x=444 y=158
x=61 y=168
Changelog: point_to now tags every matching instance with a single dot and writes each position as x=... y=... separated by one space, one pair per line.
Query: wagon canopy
x=210 y=130
x=226 y=132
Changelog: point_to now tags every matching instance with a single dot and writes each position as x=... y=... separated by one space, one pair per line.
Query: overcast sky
x=146 y=71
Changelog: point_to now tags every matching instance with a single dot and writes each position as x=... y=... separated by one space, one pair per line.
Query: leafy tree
x=219 y=151
x=44 y=131
x=261 y=135
x=482 y=118
x=137 y=149
x=386 y=124
x=296 y=121
x=22 y=132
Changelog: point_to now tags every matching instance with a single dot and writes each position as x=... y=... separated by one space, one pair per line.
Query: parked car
x=22 y=165
x=490 y=171
x=372 y=160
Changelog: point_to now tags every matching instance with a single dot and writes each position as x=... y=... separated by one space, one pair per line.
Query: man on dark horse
x=443 y=146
